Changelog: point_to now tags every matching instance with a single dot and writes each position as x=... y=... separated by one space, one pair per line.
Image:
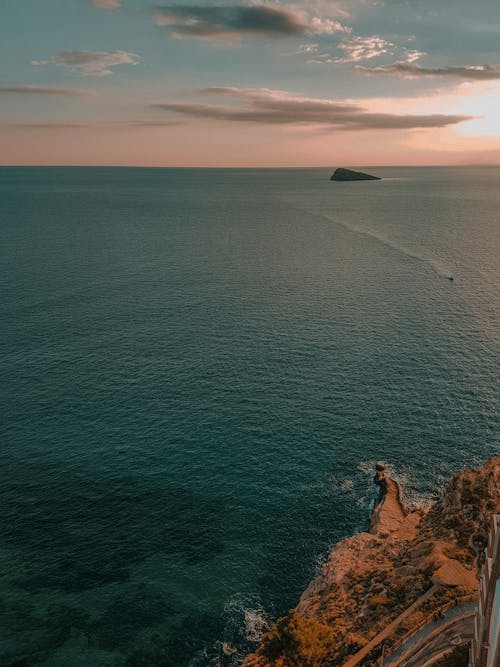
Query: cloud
x=42 y=125
x=90 y=63
x=326 y=8
x=363 y=48
x=326 y=26
x=42 y=90
x=107 y=4
x=275 y=107
x=217 y=22
x=357 y=49
x=307 y=48
x=412 y=55
x=410 y=70
x=230 y=21
x=65 y=125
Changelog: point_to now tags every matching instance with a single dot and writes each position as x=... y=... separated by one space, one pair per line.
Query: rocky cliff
x=409 y=559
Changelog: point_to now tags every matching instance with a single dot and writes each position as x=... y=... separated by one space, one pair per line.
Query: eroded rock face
x=342 y=174
x=371 y=578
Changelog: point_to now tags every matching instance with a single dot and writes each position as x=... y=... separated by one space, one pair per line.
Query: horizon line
x=145 y=166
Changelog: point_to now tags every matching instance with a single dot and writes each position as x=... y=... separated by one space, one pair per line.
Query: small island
x=342 y=174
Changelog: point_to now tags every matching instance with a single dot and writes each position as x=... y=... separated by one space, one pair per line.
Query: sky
x=259 y=83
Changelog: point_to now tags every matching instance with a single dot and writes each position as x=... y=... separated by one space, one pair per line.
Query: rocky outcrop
x=432 y=553
x=342 y=174
x=391 y=510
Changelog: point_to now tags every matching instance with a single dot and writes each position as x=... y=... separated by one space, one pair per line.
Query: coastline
x=381 y=585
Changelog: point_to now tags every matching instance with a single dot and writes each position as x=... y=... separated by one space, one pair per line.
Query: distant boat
x=451 y=278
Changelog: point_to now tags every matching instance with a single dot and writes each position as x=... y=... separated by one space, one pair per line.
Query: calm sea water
x=199 y=368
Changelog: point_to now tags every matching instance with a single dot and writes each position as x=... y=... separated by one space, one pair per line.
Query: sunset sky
x=291 y=83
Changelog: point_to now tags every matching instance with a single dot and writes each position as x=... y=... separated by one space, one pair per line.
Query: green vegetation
x=296 y=640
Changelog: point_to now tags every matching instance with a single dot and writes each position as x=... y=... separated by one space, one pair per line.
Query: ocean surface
x=199 y=370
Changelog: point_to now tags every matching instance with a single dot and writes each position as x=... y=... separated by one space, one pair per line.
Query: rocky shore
x=408 y=564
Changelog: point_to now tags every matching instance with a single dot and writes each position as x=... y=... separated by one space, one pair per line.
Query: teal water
x=199 y=368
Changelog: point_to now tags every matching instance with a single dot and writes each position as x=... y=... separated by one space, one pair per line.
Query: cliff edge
x=407 y=566
x=391 y=511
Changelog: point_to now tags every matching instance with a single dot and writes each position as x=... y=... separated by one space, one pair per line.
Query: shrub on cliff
x=295 y=640
x=462 y=514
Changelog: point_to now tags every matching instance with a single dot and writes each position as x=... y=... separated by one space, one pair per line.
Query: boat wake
x=437 y=265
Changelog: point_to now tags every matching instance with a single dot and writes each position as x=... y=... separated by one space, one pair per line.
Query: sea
x=200 y=368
